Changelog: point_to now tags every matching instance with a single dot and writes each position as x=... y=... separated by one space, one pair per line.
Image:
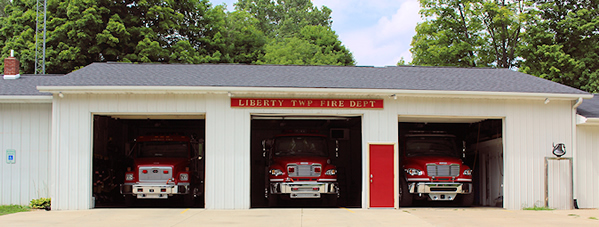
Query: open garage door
x=306 y=161
x=450 y=161
x=148 y=160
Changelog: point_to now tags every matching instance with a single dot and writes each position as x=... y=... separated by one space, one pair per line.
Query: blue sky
x=377 y=32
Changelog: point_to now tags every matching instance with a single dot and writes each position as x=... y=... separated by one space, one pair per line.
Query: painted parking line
x=347 y=209
x=182 y=212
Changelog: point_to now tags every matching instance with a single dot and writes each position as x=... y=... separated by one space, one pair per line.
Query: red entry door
x=382 y=187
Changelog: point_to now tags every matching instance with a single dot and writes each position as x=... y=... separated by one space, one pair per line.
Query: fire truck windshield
x=431 y=146
x=300 y=146
x=167 y=149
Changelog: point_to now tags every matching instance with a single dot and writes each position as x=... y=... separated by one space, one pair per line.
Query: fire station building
x=65 y=136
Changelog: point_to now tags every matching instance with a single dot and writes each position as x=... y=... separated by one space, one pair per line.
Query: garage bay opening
x=450 y=162
x=148 y=161
x=306 y=161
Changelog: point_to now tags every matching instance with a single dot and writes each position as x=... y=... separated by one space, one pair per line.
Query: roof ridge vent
x=11 y=67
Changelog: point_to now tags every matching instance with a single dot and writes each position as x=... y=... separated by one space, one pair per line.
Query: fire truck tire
x=130 y=200
x=467 y=200
x=405 y=198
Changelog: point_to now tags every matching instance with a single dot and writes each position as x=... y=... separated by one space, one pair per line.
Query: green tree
x=80 y=32
x=401 y=62
x=242 y=40
x=315 y=45
x=562 y=43
x=468 y=33
x=297 y=33
x=3 y=4
x=284 y=18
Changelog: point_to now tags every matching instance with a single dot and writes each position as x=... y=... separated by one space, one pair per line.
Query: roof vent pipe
x=11 y=67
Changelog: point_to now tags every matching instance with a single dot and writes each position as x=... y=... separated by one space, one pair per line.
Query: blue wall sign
x=11 y=156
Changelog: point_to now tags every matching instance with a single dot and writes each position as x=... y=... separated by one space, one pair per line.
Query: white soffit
x=241 y=91
x=581 y=120
x=155 y=116
x=303 y=116
x=26 y=99
x=442 y=119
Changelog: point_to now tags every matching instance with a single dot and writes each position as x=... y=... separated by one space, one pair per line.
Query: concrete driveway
x=304 y=217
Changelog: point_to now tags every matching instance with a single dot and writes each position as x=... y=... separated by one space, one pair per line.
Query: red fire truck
x=298 y=166
x=433 y=169
x=163 y=167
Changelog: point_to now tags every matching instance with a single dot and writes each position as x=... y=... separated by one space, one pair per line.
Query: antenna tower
x=40 y=38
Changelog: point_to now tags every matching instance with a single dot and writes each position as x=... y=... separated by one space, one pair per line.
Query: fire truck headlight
x=331 y=172
x=414 y=172
x=184 y=177
x=129 y=177
x=276 y=172
x=468 y=172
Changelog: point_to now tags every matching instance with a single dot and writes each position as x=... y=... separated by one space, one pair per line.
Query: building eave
x=25 y=99
x=244 y=91
x=582 y=120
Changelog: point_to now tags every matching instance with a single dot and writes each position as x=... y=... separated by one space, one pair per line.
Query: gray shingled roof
x=232 y=75
x=589 y=107
x=26 y=84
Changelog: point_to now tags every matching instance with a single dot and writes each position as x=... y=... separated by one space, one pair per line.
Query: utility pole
x=40 y=38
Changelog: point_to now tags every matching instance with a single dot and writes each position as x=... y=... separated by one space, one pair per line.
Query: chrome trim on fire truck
x=438 y=187
x=303 y=170
x=465 y=180
x=154 y=191
x=155 y=174
x=331 y=180
x=418 y=179
x=304 y=189
x=434 y=170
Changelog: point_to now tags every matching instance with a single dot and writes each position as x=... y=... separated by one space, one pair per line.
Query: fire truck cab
x=163 y=167
x=433 y=169
x=298 y=166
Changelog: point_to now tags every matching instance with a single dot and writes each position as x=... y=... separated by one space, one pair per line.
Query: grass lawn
x=9 y=209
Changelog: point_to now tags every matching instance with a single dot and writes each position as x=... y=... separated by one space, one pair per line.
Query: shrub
x=41 y=203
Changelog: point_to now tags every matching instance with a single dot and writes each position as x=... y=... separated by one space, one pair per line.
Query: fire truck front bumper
x=440 y=191
x=305 y=189
x=154 y=191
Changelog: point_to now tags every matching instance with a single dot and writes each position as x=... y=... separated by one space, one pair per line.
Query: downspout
x=578 y=102
x=574 y=148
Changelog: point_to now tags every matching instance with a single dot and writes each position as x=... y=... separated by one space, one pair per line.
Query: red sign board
x=307 y=103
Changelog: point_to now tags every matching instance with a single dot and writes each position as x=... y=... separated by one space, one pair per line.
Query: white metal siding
x=490 y=162
x=227 y=155
x=26 y=129
x=559 y=184
x=71 y=159
x=228 y=138
x=586 y=169
x=530 y=127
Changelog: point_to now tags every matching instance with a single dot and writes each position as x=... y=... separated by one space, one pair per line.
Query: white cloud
x=377 y=32
x=386 y=41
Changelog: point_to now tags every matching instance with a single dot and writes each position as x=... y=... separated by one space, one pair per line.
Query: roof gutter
x=582 y=120
x=26 y=99
x=241 y=91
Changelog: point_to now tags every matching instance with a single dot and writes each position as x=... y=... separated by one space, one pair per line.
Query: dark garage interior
x=347 y=130
x=483 y=154
x=114 y=135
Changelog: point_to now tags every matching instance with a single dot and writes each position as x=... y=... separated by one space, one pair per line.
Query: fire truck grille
x=304 y=170
x=155 y=173
x=435 y=170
